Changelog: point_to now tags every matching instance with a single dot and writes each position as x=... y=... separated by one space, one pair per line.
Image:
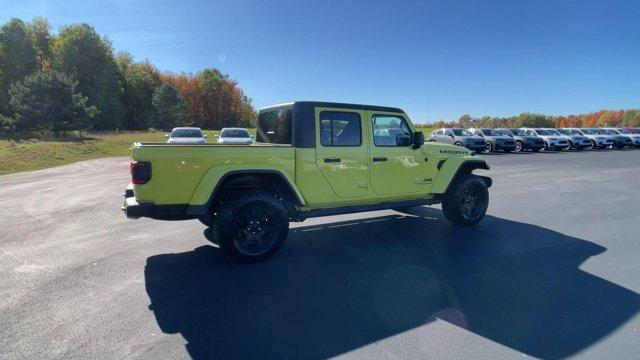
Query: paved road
x=552 y=272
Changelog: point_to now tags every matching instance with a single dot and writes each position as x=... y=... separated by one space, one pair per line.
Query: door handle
x=379 y=158
x=332 y=160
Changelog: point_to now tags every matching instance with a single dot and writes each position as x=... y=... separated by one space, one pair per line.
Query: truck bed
x=187 y=173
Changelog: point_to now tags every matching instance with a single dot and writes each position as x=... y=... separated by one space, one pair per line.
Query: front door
x=394 y=170
x=341 y=152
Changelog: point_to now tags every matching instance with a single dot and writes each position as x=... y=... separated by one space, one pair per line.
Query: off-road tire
x=455 y=204
x=231 y=225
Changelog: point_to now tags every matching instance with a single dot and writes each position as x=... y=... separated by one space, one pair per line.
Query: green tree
x=631 y=118
x=170 y=108
x=140 y=83
x=41 y=32
x=49 y=101
x=17 y=57
x=85 y=57
x=465 y=121
x=535 y=120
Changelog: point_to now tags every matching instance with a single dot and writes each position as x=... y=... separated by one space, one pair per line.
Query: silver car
x=552 y=139
x=234 y=136
x=523 y=140
x=459 y=137
x=635 y=138
x=495 y=140
x=186 y=135
x=576 y=140
x=620 y=141
x=597 y=137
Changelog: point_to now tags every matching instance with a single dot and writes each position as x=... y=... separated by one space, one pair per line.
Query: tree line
x=74 y=80
x=602 y=118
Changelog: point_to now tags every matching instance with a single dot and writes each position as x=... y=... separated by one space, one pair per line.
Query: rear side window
x=274 y=126
x=340 y=129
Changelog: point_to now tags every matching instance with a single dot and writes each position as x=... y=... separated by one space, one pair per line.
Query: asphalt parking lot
x=551 y=272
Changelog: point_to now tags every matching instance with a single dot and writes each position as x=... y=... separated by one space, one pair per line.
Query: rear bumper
x=133 y=209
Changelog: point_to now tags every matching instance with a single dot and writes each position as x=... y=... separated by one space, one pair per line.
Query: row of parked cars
x=537 y=139
x=194 y=135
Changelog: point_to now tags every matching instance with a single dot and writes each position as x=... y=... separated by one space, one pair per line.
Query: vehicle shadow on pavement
x=336 y=287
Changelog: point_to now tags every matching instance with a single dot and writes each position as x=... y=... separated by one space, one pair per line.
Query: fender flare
x=203 y=209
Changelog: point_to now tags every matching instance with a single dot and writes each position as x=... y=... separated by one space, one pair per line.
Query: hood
x=234 y=140
x=501 y=137
x=182 y=140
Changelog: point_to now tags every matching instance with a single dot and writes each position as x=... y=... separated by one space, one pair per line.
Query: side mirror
x=403 y=140
x=418 y=139
x=166 y=135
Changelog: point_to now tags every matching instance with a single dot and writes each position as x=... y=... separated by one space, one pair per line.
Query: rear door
x=395 y=170
x=341 y=152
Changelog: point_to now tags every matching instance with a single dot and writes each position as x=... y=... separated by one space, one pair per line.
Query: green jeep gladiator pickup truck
x=310 y=159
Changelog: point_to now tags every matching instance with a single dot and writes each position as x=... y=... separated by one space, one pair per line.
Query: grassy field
x=26 y=155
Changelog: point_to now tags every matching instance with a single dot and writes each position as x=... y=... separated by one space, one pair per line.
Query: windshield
x=234 y=133
x=186 y=133
x=520 y=132
x=461 y=132
x=505 y=132
x=490 y=132
x=544 y=132
x=569 y=132
x=591 y=131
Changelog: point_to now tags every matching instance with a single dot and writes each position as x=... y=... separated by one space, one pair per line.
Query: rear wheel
x=467 y=201
x=593 y=145
x=251 y=226
x=457 y=143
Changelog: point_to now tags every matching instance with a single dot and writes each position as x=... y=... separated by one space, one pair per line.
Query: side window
x=340 y=129
x=448 y=133
x=439 y=132
x=387 y=127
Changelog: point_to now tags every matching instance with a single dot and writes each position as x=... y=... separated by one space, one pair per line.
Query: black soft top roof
x=333 y=105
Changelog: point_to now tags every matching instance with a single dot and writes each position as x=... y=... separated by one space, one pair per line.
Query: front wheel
x=488 y=147
x=466 y=203
x=251 y=226
x=458 y=143
x=519 y=146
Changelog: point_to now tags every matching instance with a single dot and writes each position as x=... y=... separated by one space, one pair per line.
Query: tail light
x=140 y=172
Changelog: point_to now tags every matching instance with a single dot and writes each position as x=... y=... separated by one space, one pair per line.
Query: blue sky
x=496 y=58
